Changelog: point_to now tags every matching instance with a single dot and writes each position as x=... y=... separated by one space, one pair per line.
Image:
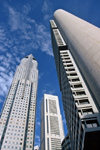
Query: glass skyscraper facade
x=17 y=122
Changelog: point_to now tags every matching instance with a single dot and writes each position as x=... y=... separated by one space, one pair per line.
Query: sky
x=24 y=30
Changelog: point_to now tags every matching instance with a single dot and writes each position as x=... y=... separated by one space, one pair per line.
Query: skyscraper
x=75 y=58
x=17 y=122
x=83 y=40
x=51 y=124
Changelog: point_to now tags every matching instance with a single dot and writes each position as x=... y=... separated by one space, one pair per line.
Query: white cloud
x=7 y=68
x=47 y=91
x=47 y=9
x=5 y=81
x=26 y=9
x=38 y=123
x=3 y=40
x=7 y=62
x=47 y=17
x=2 y=48
x=2 y=34
x=37 y=138
x=37 y=35
x=14 y=19
x=40 y=75
x=2 y=69
x=45 y=6
x=37 y=142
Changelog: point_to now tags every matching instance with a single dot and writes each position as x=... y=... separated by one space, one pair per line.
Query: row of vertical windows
x=46 y=105
x=86 y=111
x=90 y=123
x=47 y=124
x=74 y=79
x=58 y=37
x=52 y=106
x=11 y=147
x=53 y=24
x=47 y=143
x=55 y=144
x=82 y=101
x=79 y=93
x=54 y=125
x=74 y=84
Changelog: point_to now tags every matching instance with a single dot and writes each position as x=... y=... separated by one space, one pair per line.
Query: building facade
x=52 y=132
x=17 y=122
x=66 y=143
x=81 y=110
x=83 y=40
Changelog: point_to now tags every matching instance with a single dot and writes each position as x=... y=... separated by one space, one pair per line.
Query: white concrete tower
x=52 y=132
x=78 y=69
x=83 y=41
x=17 y=122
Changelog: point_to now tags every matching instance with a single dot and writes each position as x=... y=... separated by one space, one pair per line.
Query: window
x=65 y=55
x=80 y=93
x=71 y=65
x=46 y=106
x=78 y=86
x=67 y=58
x=76 y=79
x=48 y=143
x=91 y=123
x=58 y=37
x=84 y=101
x=73 y=74
x=47 y=125
x=68 y=61
x=71 y=69
x=87 y=111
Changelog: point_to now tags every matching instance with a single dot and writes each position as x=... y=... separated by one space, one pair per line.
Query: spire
x=30 y=56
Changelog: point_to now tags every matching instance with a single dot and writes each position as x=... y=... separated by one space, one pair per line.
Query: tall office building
x=17 y=122
x=76 y=51
x=51 y=124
